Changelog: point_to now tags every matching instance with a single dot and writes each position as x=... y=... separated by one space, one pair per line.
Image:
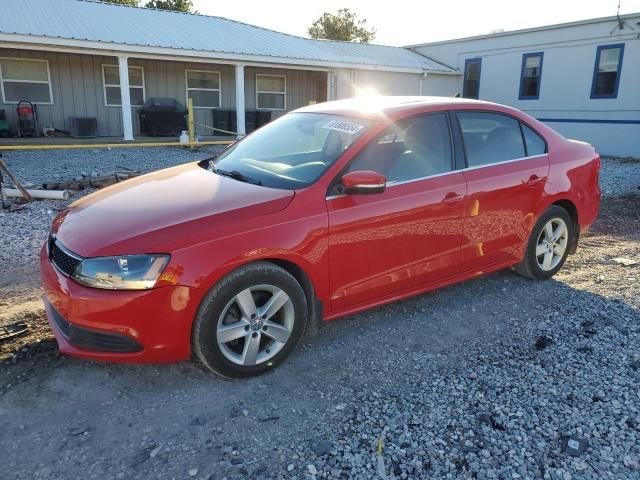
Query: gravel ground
x=620 y=176
x=499 y=377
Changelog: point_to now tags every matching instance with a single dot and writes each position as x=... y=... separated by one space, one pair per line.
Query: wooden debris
x=5 y=169
x=99 y=181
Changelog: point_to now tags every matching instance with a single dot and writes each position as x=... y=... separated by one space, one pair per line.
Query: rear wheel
x=548 y=245
x=250 y=321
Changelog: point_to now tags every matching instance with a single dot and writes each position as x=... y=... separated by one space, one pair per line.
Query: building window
x=203 y=87
x=606 y=73
x=24 y=79
x=530 y=76
x=111 y=82
x=471 y=87
x=271 y=92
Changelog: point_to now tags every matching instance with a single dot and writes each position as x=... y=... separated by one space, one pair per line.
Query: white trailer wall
x=565 y=103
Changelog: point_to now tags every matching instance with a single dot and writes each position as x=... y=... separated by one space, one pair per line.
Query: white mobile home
x=582 y=78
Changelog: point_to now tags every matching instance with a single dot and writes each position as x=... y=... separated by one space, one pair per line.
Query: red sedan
x=327 y=211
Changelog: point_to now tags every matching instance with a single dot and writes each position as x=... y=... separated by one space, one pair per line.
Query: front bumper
x=149 y=326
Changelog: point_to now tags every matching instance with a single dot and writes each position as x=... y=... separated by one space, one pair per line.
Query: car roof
x=374 y=106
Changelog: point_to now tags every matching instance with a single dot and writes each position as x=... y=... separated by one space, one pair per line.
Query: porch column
x=240 y=107
x=125 y=98
x=329 y=86
x=422 y=79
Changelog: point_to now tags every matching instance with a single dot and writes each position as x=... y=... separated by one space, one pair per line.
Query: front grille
x=62 y=259
x=93 y=340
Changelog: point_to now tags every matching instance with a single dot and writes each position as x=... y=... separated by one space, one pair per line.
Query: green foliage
x=176 y=5
x=344 y=25
x=131 y=3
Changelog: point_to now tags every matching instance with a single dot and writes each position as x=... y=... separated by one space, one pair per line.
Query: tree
x=343 y=25
x=131 y=3
x=176 y=5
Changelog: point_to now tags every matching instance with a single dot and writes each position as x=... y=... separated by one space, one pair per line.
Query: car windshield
x=291 y=152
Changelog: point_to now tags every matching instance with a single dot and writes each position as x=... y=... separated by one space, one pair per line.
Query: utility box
x=83 y=127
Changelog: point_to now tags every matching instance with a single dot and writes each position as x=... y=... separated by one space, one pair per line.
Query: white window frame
x=105 y=85
x=219 y=89
x=267 y=91
x=48 y=82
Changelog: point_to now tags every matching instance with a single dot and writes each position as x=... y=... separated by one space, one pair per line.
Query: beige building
x=76 y=58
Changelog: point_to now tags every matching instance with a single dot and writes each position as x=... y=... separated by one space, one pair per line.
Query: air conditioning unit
x=83 y=127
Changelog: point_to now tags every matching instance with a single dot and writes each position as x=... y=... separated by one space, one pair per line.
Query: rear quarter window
x=535 y=143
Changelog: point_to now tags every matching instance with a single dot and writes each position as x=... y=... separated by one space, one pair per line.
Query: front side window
x=291 y=152
x=530 y=76
x=606 y=75
x=111 y=81
x=271 y=92
x=25 y=80
x=472 y=69
x=203 y=87
x=413 y=148
x=490 y=138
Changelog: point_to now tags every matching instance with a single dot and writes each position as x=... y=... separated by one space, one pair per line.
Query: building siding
x=77 y=89
x=566 y=80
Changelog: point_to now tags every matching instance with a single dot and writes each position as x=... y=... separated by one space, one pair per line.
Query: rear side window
x=535 y=143
x=490 y=138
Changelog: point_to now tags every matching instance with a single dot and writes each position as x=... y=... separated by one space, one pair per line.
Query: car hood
x=153 y=212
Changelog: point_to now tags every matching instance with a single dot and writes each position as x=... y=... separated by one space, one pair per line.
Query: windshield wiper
x=236 y=175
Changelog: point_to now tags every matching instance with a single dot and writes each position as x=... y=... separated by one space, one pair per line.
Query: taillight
x=596 y=170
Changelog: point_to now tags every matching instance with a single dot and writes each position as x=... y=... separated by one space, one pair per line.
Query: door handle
x=453 y=198
x=534 y=180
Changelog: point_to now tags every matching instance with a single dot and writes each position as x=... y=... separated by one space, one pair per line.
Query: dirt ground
x=67 y=418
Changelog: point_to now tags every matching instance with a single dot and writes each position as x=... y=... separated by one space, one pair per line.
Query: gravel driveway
x=499 y=377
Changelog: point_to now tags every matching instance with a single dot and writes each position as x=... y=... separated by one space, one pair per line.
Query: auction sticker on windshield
x=344 y=127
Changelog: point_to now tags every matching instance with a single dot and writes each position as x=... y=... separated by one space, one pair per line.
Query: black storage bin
x=222 y=120
x=163 y=117
x=249 y=120
x=263 y=117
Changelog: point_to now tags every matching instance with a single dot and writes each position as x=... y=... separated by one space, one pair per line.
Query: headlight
x=127 y=272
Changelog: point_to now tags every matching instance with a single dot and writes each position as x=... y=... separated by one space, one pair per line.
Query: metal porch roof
x=121 y=25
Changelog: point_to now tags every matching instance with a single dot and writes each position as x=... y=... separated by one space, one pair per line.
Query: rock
x=321 y=447
x=290 y=467
x=312 y=469
x=631 y=462
x=627 y=262
x=473 y=375
x=193 y=472
x=542 y=342
x=574 y=446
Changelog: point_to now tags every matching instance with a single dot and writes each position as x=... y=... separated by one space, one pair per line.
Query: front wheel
x=250 y=321
x=548 y=245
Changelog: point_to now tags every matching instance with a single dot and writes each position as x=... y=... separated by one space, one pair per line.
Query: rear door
x=507 y=167
x=409 y=235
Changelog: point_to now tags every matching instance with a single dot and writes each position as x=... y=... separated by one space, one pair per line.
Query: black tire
x=529 y=266
x=204 y=336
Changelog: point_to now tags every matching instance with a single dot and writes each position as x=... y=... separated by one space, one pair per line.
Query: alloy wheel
x=255 y=325
x=552 y=244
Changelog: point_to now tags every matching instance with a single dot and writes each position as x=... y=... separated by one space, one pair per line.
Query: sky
x=407 y=22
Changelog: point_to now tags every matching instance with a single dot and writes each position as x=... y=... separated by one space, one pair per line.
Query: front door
x=409 y=235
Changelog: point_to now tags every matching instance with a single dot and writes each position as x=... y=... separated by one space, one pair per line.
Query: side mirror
x=363 y=182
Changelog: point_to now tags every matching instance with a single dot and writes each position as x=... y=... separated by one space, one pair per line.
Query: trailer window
x=24 y=79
